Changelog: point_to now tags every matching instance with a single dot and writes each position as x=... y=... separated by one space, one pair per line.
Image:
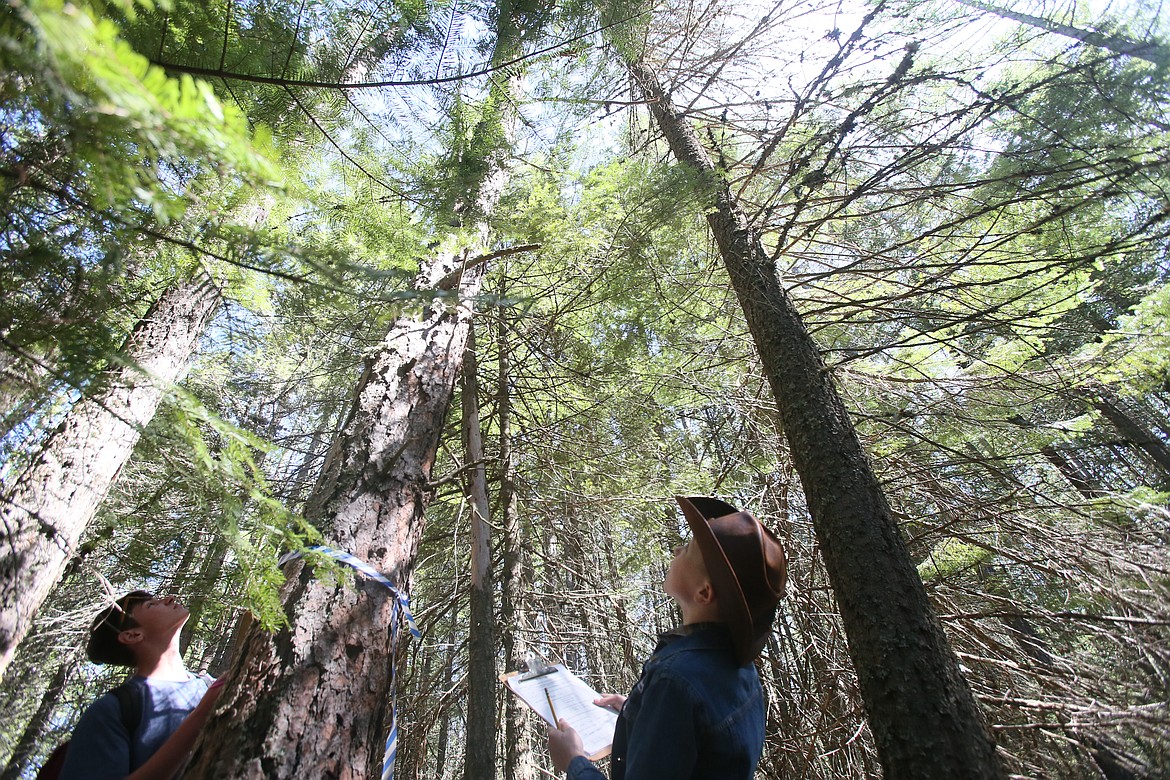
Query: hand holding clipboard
x=553 y=692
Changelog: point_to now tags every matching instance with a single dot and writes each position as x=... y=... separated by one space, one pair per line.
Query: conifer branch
x=220 y=73
x=452 y=277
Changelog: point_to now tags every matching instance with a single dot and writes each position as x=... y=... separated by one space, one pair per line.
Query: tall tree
x=485 y=163
x=480 y=758
x=368 y=501
x=1152 y=51
x=49 y=503
x=113 y=172
x=513 y=613
x=925 y=720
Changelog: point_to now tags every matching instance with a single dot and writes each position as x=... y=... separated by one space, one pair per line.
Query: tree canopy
x=966 y=205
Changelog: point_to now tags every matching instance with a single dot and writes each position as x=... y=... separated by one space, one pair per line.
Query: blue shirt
x=101 y=749
x=694 y=713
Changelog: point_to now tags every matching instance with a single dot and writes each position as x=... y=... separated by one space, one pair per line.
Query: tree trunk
x=1150 y=51
x=46 y=507
x=38 y=726
x=481 y=663
x=518 y=763
x=925 y=721
x=619 y=633
x=215 y=555
x=1135 y=433
x=444 y=738
x=314 y=697
x=1083 y=483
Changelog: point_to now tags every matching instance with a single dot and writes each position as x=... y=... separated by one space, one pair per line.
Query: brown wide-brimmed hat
x=747 y=567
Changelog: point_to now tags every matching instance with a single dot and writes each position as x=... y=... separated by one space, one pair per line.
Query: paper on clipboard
x=573 y=701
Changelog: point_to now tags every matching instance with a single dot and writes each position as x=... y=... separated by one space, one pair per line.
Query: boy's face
x=160 y=615
x=687 y=573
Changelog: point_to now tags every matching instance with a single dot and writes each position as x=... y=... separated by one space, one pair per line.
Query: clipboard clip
x=535 y=665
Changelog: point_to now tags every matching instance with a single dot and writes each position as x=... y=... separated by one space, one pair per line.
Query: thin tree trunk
x=313 y=698
x=1135 y=433
x=38 y=725
x=45 y=508
x=214 y=557
x=300 y=480
x=481 y=664
x=1150 y=51
x=480 y=747
x=925 y=721
x=518 y=763
x=444 y=738
x=619 y=633
x=1084 y=484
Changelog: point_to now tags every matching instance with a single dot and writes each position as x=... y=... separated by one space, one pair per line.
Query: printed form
x=572 y=700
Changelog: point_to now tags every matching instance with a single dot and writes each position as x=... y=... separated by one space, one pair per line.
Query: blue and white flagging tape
x=391 y=746
x=362 y=568
x=403 y=604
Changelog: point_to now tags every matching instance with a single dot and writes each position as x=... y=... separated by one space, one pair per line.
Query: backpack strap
x=130 y=704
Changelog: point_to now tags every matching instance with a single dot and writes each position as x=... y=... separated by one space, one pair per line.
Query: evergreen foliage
x=971 y=214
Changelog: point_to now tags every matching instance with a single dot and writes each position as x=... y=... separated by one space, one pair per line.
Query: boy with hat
x=698 y=709
x=145 y=728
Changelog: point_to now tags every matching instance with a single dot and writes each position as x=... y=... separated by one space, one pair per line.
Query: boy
x=698 y=709
x=168 y=703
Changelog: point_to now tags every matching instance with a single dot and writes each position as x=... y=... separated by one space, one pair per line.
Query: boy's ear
x=130 y=636
x=706 y=593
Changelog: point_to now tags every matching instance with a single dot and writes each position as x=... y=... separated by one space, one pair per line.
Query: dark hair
x=103 y=646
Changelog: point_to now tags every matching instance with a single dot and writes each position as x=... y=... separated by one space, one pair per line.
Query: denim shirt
x=694 y=713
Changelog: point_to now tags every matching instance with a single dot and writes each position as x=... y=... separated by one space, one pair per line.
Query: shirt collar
x=680 y=631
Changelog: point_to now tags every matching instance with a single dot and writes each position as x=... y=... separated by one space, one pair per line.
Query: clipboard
x=544 y=684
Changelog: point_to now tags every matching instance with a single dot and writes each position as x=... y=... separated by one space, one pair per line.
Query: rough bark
x=481 y=662
x=46 y=506
x=925 y=720
x=313 y=699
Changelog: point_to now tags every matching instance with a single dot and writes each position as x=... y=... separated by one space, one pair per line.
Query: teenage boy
x=168 y=703
x=698 y=709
